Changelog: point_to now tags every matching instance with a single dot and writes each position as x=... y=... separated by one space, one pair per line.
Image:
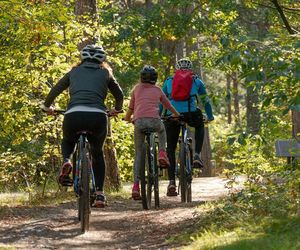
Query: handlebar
x=181 y=118
x=59 y=111
x=114 y=113
x=173 y=118
x=56 y=111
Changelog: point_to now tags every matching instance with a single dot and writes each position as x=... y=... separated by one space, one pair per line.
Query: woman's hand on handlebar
x=127 y=119
x=206 y=120
x=176 y=115
x=49 y=110
x=114 y=112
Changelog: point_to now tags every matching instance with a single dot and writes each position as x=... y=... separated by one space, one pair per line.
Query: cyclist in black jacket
x=88 y=84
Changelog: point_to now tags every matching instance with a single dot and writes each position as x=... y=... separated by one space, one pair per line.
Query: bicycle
x=185 y=160
x=83 y=180
x=149 y=171
x=83 y=177
x=185 y=163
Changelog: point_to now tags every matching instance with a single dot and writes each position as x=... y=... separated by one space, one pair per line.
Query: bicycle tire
x=153 y=146
x=75 y=178
x=189 y=158
x=84 y=196
x=144 y=179
x=182 y=176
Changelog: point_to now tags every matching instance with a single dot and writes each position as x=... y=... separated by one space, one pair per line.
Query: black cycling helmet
x=148 y=74
x=93 y=52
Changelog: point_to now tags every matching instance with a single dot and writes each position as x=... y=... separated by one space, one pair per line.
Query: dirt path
x=121 y=225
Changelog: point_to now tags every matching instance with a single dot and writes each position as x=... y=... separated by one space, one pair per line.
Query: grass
x=53 y=196
x=224 y=227
x=269 y=234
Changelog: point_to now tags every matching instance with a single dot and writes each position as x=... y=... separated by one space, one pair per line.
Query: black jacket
x=88 y=85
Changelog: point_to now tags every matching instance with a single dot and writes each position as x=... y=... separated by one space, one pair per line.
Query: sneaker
x=197 y=162
x=100 y=201
x=163 y=159
x=171 y=190
x=64 y=179
x=136 y=192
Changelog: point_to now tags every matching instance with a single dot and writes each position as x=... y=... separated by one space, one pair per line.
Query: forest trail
x=123 y=224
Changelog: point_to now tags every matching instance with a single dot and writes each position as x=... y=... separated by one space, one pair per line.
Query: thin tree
x=228 y=98
x=235 y=93
x=295 y=113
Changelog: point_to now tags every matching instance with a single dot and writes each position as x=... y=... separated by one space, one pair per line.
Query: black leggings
x=96 y=124
x=193 y=119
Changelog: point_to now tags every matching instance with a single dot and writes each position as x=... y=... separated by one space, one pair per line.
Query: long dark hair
x=102 y=65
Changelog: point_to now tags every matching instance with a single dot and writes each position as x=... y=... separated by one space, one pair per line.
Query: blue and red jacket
x=198 y=90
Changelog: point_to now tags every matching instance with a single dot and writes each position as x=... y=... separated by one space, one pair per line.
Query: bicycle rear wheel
x=84 y=194
x=145 y=178
x=189 y=175
x=155 y=173
x=182 y=171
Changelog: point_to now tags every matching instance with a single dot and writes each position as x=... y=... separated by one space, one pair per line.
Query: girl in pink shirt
x=144 y=106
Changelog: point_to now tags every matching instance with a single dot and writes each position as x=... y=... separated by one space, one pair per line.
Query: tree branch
x=290 y=10
x=283 y=17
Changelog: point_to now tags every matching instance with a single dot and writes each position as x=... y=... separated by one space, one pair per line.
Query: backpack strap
x=189 y=100
x=169 y=95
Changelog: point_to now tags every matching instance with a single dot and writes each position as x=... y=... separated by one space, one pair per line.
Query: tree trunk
x=199 y=68
x=148 y=4
x=169 y=48
x=112 y=177
x=296 y=123
x=206 y=156
x=228 y=98
x=253 y=117
x=179 y=50
x=235 y=90
x=86 y=12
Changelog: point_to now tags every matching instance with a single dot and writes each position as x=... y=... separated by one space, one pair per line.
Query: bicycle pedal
x=67 y=184
x=163 y=167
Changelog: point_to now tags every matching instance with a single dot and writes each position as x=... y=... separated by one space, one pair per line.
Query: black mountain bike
x=83 y=177
x=149 y=171
x=184 y=169
x=84 y=180
x=185 y=163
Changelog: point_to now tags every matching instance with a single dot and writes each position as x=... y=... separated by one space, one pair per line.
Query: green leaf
x=231 y=140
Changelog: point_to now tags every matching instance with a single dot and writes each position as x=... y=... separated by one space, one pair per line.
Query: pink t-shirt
x=145 y=100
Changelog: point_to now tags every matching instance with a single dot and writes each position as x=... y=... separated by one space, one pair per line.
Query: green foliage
x=39 y=44
x=124 y=143
x=264 y=215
